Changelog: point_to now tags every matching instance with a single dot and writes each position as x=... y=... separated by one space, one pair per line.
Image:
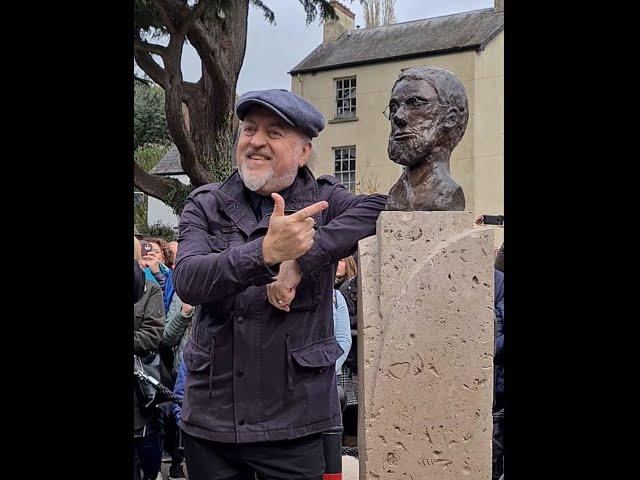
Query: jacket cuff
x=252 y=262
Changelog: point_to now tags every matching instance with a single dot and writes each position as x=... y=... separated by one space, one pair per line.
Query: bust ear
x=452 y=117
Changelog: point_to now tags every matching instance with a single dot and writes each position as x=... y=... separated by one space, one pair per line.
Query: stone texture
x=425 y=347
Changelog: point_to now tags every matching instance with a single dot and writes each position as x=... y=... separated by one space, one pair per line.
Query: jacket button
x=239 y=319
x=241 y=422
x=240 y=373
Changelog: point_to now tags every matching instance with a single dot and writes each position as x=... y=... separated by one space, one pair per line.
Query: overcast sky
x=273 y=50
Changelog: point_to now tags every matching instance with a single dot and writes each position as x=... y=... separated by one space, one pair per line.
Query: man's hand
x=282 y=292
x=291 y=236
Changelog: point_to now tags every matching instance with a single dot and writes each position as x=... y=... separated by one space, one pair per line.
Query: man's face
x=269 y=152
x=415 y=116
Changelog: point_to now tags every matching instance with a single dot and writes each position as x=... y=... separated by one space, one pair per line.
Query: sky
x=273 y=50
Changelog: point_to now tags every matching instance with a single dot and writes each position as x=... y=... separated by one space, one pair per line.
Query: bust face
x=415 y=118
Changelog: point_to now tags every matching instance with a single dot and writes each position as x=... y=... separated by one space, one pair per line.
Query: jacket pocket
x=196 y=357
x=318 y=355
x=231 y=236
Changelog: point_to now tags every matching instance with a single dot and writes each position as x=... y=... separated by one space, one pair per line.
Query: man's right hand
x=290 y=236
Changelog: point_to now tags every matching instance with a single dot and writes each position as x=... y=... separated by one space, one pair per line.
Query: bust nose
x=399 y=118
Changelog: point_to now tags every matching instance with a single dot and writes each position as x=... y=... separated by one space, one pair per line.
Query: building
x=157 y=210
x=349 y=79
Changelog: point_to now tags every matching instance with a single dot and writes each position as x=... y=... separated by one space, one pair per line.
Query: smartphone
x=493 y=219
x=145 y=248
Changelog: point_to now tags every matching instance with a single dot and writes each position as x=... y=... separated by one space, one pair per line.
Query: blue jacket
x=341 y=327
x=178 y=389
x=164 y=278
x=499 y=331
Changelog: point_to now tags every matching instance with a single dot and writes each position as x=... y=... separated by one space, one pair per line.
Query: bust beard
x=412 y=151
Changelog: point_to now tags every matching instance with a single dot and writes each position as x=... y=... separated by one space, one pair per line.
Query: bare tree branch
x=143 y=46
x=195 y=13
x=154 y=185
x=146 y=62
x=389 y=16
x=211 y=52
x=174 y=96
x=169 y=14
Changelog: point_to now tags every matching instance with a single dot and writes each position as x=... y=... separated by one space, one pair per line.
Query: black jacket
x=256 y=373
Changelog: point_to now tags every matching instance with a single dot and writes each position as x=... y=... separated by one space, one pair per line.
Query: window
x=345 y=166
x=346 y=97
x=138 y=198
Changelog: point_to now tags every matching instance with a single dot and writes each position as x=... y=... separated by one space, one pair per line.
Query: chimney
x=498 y=5
x=334 y=28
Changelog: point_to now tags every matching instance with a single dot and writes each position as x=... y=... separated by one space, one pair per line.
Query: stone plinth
x=425 y=348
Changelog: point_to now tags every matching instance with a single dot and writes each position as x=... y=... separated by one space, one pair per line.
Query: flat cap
x=292 y=108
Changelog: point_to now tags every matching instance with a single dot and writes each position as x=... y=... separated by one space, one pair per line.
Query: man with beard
x=258 y=253
x=428 y=111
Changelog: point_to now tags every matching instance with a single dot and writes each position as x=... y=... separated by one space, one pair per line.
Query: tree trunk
x=219 y=37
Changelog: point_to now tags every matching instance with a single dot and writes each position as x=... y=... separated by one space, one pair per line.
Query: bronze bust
x=428 y=111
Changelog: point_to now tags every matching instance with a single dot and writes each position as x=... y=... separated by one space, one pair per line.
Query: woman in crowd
x=148 y=325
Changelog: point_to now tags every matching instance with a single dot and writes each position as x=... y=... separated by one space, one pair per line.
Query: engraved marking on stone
x=399 y=370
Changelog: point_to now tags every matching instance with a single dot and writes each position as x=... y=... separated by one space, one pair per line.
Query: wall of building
x=489 y=131
x=370 y=132
x=159 y=212
x=476 y=163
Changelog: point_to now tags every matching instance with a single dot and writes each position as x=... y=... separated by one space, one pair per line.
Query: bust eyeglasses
x=411 y=103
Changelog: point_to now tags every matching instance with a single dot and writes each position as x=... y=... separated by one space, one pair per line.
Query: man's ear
x=307 y=149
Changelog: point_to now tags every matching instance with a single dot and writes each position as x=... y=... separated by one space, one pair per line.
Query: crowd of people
x=266 y=258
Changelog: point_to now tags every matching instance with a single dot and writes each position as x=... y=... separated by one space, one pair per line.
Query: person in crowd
x=346 y=270
x=498 y=363
x=154 y=261
x=173 y=253
x=177 y=331
x=347 y=282
x=341 y=327
x=148 y=324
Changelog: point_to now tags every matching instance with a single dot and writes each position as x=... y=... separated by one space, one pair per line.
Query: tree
x=199 y=115
x=376 y=11
x=388 y=13
x=149 y=122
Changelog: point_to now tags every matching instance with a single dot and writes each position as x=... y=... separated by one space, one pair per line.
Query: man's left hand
x=282 y=292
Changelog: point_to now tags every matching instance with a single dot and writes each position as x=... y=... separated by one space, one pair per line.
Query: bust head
x=429 y=111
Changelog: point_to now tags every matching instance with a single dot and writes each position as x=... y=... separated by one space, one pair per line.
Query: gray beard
x=267 y=183
x=253 y=182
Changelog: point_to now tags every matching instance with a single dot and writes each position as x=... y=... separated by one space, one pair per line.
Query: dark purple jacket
x=256 y=373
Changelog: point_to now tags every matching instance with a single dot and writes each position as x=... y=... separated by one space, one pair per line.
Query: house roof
x=169 y=164
x=430 y=36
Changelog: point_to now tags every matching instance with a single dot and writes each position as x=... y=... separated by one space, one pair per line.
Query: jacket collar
x=303 y=192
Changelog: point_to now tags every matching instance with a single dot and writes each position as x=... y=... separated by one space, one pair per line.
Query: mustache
x=258 y=152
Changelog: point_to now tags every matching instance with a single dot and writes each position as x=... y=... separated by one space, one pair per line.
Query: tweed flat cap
x=292 y=108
